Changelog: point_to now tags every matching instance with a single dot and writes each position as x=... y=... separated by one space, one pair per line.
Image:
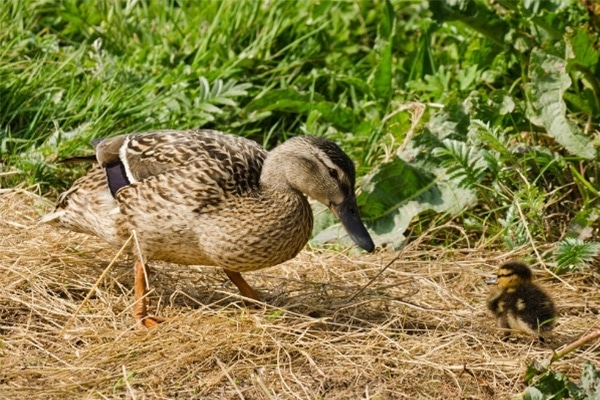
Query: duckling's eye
x=333 y=173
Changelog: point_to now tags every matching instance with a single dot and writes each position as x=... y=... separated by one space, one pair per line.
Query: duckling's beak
x=347 y=213
x=491 y=281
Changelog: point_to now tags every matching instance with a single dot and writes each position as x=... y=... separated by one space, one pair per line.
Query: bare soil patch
x=419 y=330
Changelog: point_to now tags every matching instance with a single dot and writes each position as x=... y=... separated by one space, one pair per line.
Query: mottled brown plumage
x=519 y=304
x=209 y=198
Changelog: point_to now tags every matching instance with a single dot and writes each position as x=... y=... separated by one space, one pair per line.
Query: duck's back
x=238 y=160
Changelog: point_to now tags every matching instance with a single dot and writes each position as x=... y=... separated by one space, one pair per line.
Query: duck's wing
x=135 y=157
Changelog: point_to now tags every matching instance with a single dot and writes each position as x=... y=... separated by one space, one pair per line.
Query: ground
x=332 y=325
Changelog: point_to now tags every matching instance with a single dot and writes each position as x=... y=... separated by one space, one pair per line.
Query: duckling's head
x=513 y=274
x=320 y=169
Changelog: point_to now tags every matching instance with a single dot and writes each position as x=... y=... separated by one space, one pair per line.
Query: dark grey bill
x=347 y=212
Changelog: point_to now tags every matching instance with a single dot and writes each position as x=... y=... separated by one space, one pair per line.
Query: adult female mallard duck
x=209 y=198
x=519 y=304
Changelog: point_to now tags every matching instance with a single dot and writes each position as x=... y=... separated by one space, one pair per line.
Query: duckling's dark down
x=519 y=304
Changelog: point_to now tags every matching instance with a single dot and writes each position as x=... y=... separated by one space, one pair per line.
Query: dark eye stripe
x=504 y=275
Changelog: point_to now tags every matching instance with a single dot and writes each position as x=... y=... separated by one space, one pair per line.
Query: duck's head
x=320 y=169
x=512 y=274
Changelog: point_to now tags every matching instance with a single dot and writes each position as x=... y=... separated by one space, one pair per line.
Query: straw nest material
x=332 y=326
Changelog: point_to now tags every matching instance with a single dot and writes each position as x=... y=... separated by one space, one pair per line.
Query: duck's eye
x=333 y=173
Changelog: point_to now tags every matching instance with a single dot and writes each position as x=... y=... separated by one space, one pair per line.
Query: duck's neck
x=276 y=171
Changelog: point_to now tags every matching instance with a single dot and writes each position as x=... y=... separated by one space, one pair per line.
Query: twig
x=141 y=257
x=362 y=289
x=575 y=345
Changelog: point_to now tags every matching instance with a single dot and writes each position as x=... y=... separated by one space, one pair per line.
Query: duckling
x=519 y=304
x=209 y=198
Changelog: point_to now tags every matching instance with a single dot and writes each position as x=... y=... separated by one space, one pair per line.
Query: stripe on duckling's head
x=513 y=273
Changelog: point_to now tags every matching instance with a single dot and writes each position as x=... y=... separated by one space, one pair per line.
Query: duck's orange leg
x=245 y=289
x=140 y=308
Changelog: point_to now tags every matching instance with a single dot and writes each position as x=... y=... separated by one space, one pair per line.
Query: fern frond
x=494 y=138
x=466 y=164
x=575 y=254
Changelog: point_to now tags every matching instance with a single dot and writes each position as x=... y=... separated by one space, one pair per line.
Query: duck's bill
x=491 y=281
x=347 y=213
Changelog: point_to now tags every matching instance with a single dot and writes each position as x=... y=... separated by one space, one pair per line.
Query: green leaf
x=465 y=164
x=392 y=196
x=589 y=388
x=468 y=77
x=533 y=369
x=532 y=393
x=583 y=46
x=473 y=14
x=503 y=101
x=290 y=100
x=553 y=385
x=387 y=25
x=573 y=253
x=390 y=185
x=383 y=73
x=546 y=107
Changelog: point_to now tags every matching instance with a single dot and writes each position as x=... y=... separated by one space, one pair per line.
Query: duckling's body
x=209 y=198
x=519 y=304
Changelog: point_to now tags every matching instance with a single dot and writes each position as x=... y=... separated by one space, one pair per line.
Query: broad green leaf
x=532 y=393
x=474 y=14
x=553 y=385
x=546 y=107
x=590 y=383
x=390 y=198
x=390 y=185
x=503 y=100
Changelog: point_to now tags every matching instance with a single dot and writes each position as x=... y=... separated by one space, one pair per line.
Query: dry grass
x=420 y=330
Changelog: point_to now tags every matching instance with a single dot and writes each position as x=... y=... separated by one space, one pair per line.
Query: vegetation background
x=472 y=123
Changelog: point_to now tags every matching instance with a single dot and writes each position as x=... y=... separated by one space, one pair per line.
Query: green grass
x=113 y=69
x=507 y=138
